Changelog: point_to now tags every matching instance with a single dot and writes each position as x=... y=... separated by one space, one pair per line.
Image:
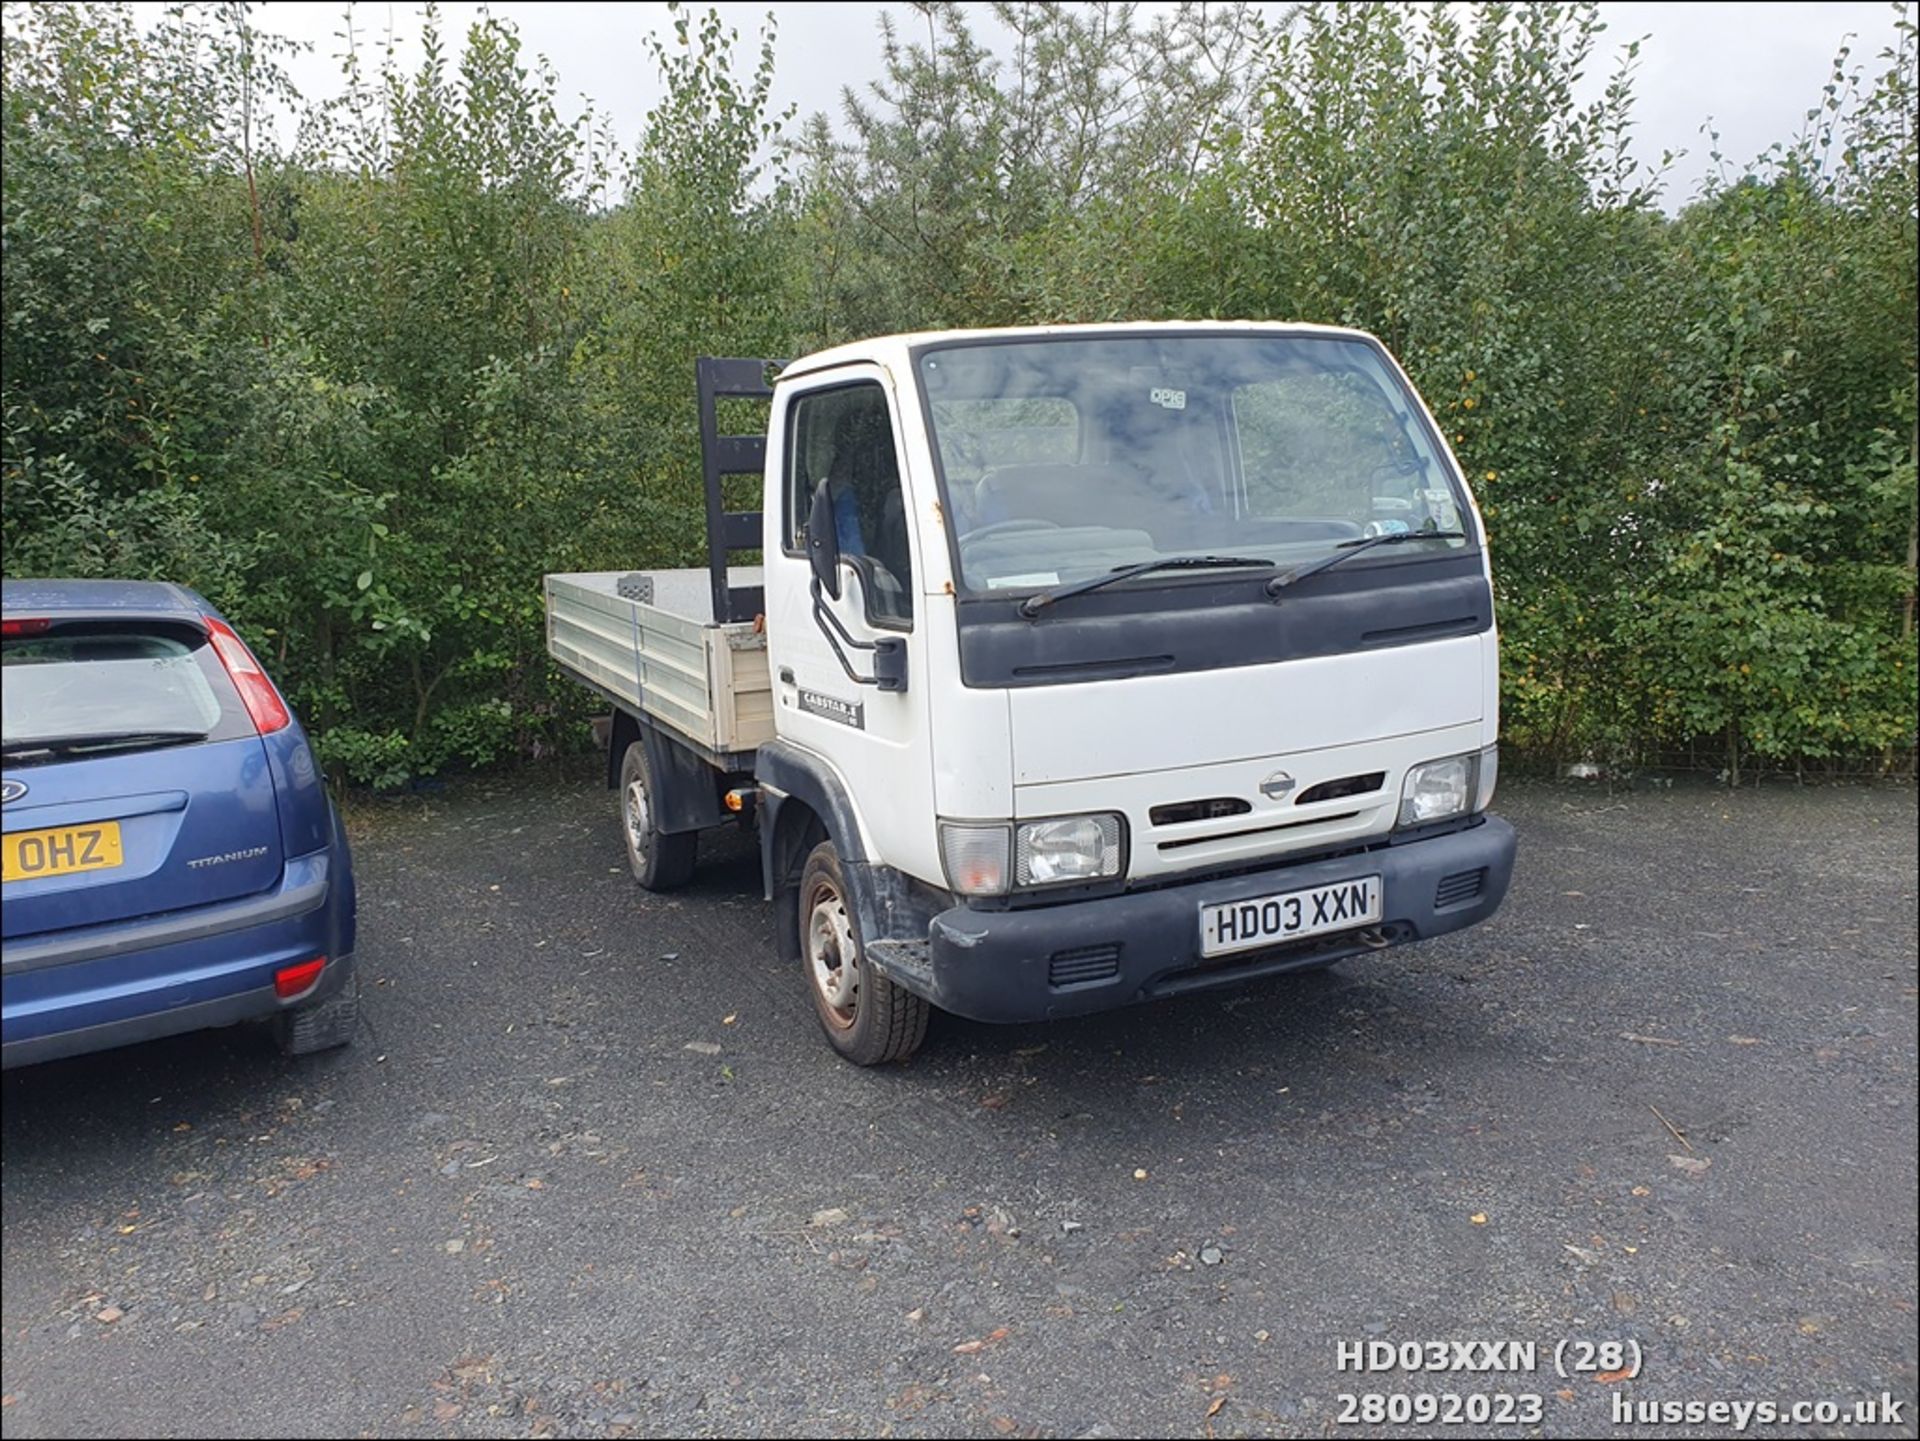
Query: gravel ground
x=591 y=1171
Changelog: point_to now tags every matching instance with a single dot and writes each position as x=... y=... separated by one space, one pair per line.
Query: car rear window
x=113 y=679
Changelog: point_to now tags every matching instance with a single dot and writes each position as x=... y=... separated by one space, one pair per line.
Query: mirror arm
x=889 y=652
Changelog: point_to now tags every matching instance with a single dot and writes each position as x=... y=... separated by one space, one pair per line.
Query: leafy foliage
x=365 y=389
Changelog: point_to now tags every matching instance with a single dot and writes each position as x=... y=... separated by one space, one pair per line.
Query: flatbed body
x=667 y=657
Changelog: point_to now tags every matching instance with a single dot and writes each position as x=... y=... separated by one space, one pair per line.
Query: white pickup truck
x=1085 y=665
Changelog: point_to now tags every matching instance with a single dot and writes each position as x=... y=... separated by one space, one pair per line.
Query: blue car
x=172 y=858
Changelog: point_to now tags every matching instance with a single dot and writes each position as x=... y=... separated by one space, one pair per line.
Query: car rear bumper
x=249 y=1005
x=99 y=986
x=1071 y=959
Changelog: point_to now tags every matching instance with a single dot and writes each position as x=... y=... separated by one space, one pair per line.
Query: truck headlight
x=1071 y=848
x=1439 y=789
x=990 y=858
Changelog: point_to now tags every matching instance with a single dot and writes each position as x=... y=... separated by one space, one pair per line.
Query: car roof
x=141 y=597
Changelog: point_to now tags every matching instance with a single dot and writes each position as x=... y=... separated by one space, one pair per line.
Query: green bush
x=364 y=390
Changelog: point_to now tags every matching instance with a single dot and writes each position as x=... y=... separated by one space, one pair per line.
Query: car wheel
x=320 y=1025
x=867 y=1018
x=660 y=862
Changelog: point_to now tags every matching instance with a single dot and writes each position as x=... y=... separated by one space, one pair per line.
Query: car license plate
x=30 y=855
x=1273 y=920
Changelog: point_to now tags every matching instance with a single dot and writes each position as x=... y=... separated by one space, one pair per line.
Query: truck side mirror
x=823 y=542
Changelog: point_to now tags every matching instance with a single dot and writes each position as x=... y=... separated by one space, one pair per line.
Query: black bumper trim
x=999 y=965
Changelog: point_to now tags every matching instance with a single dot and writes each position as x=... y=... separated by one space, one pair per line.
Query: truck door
x=841 y=428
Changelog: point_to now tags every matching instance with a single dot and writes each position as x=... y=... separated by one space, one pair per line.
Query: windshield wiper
x=1034 y=604
x=1350 y=548
x=98 y=740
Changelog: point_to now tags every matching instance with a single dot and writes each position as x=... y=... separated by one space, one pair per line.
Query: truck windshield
x=1068 y=458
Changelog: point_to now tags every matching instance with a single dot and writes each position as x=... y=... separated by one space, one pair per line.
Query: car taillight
x=25 y=625
x=263 y=702
x=290 y=981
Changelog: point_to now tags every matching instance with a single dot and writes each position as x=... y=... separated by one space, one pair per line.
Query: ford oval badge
x=11 y=791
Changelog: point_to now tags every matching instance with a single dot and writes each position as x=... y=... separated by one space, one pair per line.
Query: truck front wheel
x=867 y=1018
x=660 y=862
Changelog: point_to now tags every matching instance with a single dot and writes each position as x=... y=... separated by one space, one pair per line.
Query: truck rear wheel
x=867 y=1017
x=660 y=862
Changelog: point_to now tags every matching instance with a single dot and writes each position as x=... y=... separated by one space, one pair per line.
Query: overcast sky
x=1754 y=69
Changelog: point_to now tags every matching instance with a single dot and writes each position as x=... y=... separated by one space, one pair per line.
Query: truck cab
x=1104 y=664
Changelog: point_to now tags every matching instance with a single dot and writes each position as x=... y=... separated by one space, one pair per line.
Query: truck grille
x=1083 y=965
x=1207 y=810
x=1186 y=842
x=1461 y=886
x=1345 y=786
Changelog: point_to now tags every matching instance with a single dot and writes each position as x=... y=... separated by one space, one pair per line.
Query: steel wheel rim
x=639 y=819
x=833 y=960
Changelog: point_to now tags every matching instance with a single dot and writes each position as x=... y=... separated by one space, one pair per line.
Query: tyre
x=867 y=1017
x=320 y=1025
x=660 y=862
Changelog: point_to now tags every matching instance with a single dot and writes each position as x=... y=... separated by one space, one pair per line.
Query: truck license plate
x=1272 y=920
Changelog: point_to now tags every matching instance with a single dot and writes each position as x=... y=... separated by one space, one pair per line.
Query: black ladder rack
x=723 y=455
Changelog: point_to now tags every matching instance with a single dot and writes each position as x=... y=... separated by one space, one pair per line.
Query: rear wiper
x=1034 y=604
x=98 y=740
x=1350 y=548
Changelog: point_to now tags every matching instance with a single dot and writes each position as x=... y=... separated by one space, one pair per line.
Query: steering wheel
x=1007 y=527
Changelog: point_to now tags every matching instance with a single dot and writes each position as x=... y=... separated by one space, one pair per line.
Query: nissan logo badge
x=1276 y=785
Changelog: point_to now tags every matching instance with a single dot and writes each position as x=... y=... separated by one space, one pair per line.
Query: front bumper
x=1092 y=955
